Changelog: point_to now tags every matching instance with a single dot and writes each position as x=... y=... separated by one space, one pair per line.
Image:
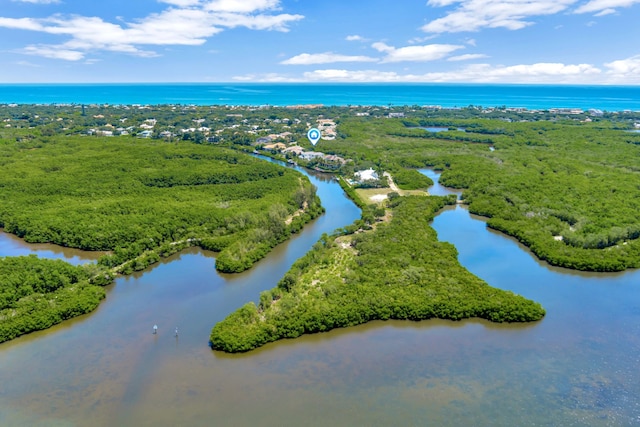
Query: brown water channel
x=579 y=366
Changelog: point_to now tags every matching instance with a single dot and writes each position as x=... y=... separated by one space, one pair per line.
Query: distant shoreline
x=238 y=83
x=553 y=110
x=445 y=95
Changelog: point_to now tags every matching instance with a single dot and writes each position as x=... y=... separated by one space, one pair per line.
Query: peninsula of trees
x=398 y=270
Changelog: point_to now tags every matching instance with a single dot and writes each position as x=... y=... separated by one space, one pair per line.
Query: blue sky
x=516 y=41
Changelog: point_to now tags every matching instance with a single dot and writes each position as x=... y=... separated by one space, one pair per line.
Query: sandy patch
x=378 y=197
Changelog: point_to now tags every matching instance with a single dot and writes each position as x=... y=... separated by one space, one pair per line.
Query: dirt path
x=392 y=185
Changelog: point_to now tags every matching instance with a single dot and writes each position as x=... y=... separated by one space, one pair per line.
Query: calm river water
x=578 y=366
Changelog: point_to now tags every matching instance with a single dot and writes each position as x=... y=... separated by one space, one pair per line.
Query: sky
x=452 y=41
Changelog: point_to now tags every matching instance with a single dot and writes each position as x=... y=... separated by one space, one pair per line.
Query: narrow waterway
x=11 y=245
x=578 y=366
x=438 y=189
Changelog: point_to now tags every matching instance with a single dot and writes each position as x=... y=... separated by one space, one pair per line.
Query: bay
x=608 y=98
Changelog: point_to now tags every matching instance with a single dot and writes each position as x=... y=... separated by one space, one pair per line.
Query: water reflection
x=11 y=245
x=436 y=129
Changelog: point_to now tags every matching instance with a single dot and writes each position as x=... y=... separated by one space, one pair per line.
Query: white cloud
x=254 y=22
x=604 y=7
x=429 y=52
x=246 y=78
x=242 y=6
x=625 y=66
x=269 y=77
x=418 y=40
x=354 y=38
x=54 y=52
x=542 y=72
x=605 y=12
x=185 y=22
x=625 y=71
x=324 y=58
x=473 y=15
x=547 y=73
x=171 y=27
x=21 y=24
x=467 y=57
x=181 y=3
x=352 y=76
x=37 y=1
x=424 y=53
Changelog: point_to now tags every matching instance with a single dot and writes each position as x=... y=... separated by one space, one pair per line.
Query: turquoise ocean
x=607 y=98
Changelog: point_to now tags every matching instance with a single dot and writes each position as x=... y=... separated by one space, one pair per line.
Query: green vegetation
x=565 y=184
x=37 y=293
x=370 y=212
x=143 y=199
x=410 y=179
x=569 y=190
x=399 y=270
x=140 y=200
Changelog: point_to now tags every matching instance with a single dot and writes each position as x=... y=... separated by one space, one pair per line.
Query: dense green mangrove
x=36 y=293
x=397 y=270
x=565 y=184
x=144 y=199
x=139 y=200
x=567 y=189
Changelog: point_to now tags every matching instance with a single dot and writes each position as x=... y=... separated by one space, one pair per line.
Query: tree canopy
x=38 y=293
x=567 y=189
x=141 y=199
x=397 y=270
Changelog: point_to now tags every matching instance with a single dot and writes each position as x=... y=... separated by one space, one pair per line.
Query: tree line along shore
x=565 y=185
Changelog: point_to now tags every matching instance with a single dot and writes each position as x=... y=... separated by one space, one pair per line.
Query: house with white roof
x=366 y=175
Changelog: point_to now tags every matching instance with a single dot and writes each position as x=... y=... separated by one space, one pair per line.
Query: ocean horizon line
x=323 y=83
x=447 y=95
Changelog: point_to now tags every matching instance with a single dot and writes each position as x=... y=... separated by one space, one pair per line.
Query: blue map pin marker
x=313 y=135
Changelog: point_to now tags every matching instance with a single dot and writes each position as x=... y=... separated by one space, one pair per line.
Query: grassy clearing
x=379 y=195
